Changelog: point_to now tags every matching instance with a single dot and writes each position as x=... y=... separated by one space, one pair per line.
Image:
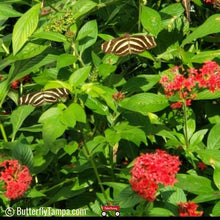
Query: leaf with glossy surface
x=145 y=102
x=18 y=116
x=24 y=27
x=210 y=26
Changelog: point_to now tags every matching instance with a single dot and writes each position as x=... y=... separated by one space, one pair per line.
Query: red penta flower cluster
x=16 y=177
x=187 y=85
x=150 y=169
x=188 y=209
x=202 y=166
x=118 y=96
x=15 y=84
x=209 y=1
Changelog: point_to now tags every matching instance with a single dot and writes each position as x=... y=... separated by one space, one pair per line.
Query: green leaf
x=106 y=69
x=216 y=209
x=73 y=113
x=18 y=116
x=210 y=26
x=87 y=35
x=24 y=27
x=82 y=7
x=197 y=137
x=130 y=133
x=145 y=102
x=7 y=11
x=52 y=36
x=151 y=20
x=206 y=94
x=52 y=125
x=65 y=60
x=79 y=76
x=112 y=137
x=96 y=106
x=210 y=157
x=160 y=212
x=3 y=89
x=207 y=197
x=213 y=141
x=216 y=177
x=33 y=128
x=141 y=83
x=71 y=147
x=22 y=151
x=194 y=184
x=203 y=56
x=24 y=67
x=191 y=127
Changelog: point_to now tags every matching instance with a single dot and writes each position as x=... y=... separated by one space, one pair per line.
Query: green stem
x=185 y=124
x=3 y=132
x=139 y=16
x=96 y=171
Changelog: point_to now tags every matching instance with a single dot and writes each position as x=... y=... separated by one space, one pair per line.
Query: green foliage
x=80 y=151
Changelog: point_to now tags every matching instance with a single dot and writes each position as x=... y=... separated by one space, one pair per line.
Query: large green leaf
x=18 y=116
x=141 y=83
x=73 y=113
x=194 y=184
x=52 y=125
x=22 y=152
x=82 y=7
x=216 y=176
x=210 y=26
x=210 y=157
x=53 y=36
x=130 y=133
x=203 y=56
x=145 y=102
x=24 y=27
x=87 y=35
x=213 y=141
x=7 y=11
x=151 y=20
x=79 y=76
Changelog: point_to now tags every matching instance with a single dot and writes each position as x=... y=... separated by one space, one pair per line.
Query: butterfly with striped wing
x=217 y=4
x=128 y=44
x=42 y=97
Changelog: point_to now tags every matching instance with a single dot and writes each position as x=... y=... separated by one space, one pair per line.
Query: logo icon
x=9 y=211
x=106 y=208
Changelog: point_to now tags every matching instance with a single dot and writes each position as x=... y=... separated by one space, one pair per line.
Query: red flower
x=16 y=177
x=150 y=169
x=188 y=209
x=202 y=166
x=118 y=96
x=187 y=85
x=209 y=1
x=14 y=85
x=176 y=105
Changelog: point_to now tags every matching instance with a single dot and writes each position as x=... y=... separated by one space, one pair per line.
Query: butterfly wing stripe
x=122 y=52
x=38 y=102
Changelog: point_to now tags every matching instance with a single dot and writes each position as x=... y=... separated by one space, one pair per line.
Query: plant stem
x=3 y=132
x=139 y=16
x=185 y=124
x=95 y=170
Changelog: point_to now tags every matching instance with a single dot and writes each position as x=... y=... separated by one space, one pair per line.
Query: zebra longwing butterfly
x=128 y=44
x=42 y=97
x=187 y=6
x=217 y=4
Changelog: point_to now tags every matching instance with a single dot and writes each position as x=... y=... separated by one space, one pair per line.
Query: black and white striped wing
x=40 y=98
x=217 y=4
x=128 y=44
